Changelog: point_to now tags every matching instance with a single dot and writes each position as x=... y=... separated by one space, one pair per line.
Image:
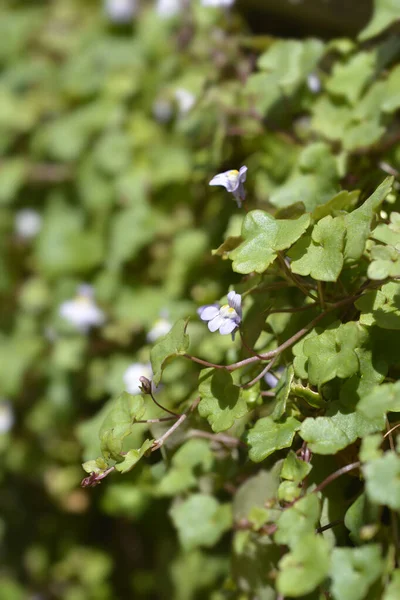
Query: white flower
x=161 y=327
x=6 y=416
x=133 y=374
x=185 y=100
x=224 y=3
x=226 y=318
x=27 y=223
x=314 y=83
x=120 y=11
x=168 y=8
x=233 y=181
x=82 y=311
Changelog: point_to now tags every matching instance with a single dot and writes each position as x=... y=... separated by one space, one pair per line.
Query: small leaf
x=385 y=13
x=133 y=456
x=268 y=436
x=222 y=402
x=348 y=80
x=343 y=201
x=358 y=222
x=382 y=480
x=263 y=237
x=354 y=570
x=175 y=343
x=384 y=398
x=332 y=353
x=328 y=435
x=201 y=521
x=256 y=491
x=393 y=590
x=321 y=254
x=295 y=469
x=306 y=567
x=297 y=521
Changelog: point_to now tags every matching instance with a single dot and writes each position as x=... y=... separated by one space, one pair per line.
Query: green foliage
x=255 y=467
x=353 y=571
x=264 y=237
x=201 y=521
x=174 y=343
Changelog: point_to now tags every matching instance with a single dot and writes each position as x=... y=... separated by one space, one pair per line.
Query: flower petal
x=227 y=327
x=209 y=312
x=220 y=179
x=235 y=301
x=216 y=323
x=242 y=173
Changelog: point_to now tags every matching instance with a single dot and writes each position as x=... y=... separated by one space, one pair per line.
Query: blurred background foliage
x=110 y=128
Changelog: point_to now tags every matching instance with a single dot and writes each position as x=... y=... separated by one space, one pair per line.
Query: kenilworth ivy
x=262 y=467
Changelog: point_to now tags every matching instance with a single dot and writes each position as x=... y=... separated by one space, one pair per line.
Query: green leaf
x=13 y=173
x=291 y=61
x=95 y=466
x=303 y=569
x=268 y=436
x=392 y=592
x=332 y=353
x=361 y=519
x=118 y=424
x=298 y=521
x=385 y=13
x=354 y=570
x=380 y=400
x=263 y=237
x=343 y=201
x=382 y=480
x=133 y=456
x=295 y=469
x=391 y=101
x=358 y=223
x=381 y=307
x=191 y=459
x=313 y=180
x=282 y=392
x=348 y=80
x=222 y=402
x=385 y=262
x=201 y=521
x=256 y=491
x=321 y=254
x=175 y=343
x=328 y=435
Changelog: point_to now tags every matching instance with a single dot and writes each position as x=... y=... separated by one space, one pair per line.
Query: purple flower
x=233 y=181
x=227 y=318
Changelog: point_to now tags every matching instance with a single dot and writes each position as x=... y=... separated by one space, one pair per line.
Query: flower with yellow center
x=233 y=181
x=225 y=319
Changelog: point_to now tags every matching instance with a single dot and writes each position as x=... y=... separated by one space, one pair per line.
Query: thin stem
x=335 y=475
x=269 y=366
x=329 y=526
x=389 y=433
x=158 y=443
x=292 y=310
x=268 y=394
x=247 y=346
x=292 y=276
x=216 y=437
x=162 y=407
x=161 y=420
x=391 y=430
x=205 y=363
